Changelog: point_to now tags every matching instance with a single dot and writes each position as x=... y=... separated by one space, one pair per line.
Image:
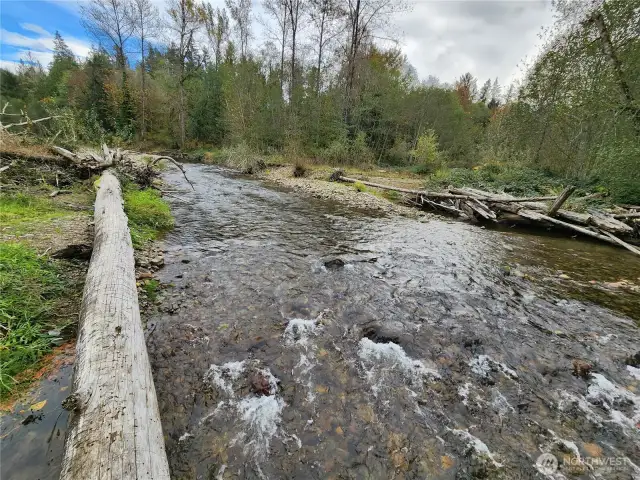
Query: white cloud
x=34 y=28
x=488 y=38
x=9 y=65
x=40 y=46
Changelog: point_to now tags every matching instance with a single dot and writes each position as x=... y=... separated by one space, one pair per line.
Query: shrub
x=361 y=187
x=426 y=153
x=242 y=158
x=299 y=170
x=343 y=151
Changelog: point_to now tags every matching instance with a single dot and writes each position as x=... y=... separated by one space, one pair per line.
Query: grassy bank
x=40 y=296
x=149 y=215
x=36 y=295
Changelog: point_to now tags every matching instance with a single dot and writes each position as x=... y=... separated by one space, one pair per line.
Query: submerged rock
x=334 y=263
x=581 y=368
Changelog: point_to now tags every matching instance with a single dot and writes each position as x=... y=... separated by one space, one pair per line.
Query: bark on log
x=575 y=217
x=563 y=197
x=608 y=223
x=115 y=431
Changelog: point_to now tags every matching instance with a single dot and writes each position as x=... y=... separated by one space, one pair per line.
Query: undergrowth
x=515 y=180
x=149 y=215
x=30 y=288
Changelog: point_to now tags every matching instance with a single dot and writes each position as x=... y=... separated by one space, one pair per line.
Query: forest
x=320 y=87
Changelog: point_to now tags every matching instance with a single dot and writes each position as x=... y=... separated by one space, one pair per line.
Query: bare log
x=115 y=431
x=563 y=197
x=627 y=215
x=492 y=197
x=65 y=153
x=402 y=190
x=465 y=194
x=533 y=215
x=608 y=223
x=481 y=209
x=575 y=217
x=622 y=243
x=440 y=206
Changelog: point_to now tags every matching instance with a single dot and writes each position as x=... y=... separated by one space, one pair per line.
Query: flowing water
x=304 y=340
x=298 y=339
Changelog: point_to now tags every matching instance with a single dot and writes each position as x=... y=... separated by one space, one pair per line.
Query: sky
x=442 y=38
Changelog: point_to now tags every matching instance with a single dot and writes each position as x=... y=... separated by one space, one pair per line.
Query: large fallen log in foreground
x=115 y=430
x=475 y=205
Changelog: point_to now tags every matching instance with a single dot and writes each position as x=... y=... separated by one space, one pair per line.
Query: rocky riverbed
x=303 y=338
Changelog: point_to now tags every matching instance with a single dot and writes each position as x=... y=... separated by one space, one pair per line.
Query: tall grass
x=29 y=288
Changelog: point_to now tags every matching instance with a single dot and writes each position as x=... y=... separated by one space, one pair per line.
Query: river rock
x=581 y=368
x=334 y=263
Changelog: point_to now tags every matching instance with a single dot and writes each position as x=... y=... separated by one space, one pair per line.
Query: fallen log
x=575 y=217
x=451 y=194
x=115 y=429
x=622 y=243
x=627 y=215
x=608 y=223
x=533 y=215
x=491 y=197
x=481 y=209
x=447 y=208
x=402 y=190
x=563 y=197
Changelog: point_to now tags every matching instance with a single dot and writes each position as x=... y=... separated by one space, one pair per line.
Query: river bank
x=46 y=242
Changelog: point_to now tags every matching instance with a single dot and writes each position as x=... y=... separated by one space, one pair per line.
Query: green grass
x=149 y=215
x=20 y=208
x=360 y=187
x=151 y=288
x=30 y=287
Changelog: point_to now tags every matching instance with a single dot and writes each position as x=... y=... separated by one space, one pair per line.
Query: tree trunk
x=183 y=135
x=142 y=126
x=318 y=80
x=284 y=41
x=115 y=431
x=616 y=65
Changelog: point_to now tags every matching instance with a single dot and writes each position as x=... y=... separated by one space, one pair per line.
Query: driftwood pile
x=137 y=166
x=478 y=205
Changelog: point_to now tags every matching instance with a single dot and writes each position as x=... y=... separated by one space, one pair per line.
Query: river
x=298 y=339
